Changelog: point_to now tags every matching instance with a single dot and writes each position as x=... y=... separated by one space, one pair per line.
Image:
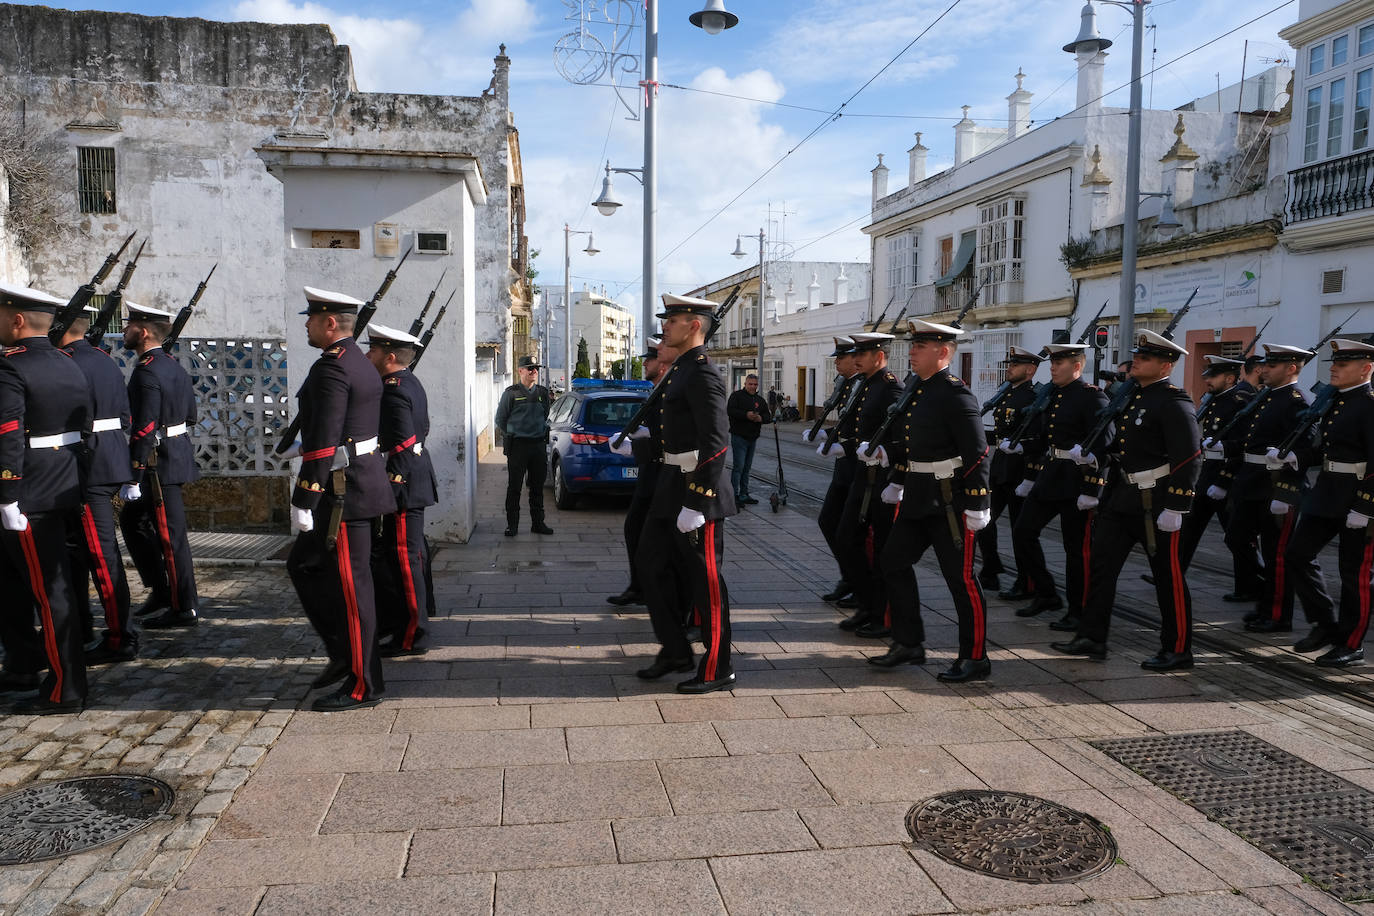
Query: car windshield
x=610 y=411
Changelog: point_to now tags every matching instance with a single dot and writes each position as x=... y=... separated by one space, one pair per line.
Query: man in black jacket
x=1008 y=470
x=523 y=418
x=747 y=412
x=832 y=505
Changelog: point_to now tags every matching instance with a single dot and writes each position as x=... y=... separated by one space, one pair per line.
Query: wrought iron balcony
x=1331 y=188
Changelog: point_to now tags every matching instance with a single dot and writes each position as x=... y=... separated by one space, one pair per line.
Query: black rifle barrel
x=184 y=315
x=419 y=323
x=77 y=303
x=429 y=334
x=100 y=325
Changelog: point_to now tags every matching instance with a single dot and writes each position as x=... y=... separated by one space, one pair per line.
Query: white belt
x=685 y=460
x=1252 y=458
x=108 y=425
x=365 y=447
x=1214 y=453
x=56 y=441
x=1145 y=480
x=1063 y=454
x=943 y=470
x=172 y=432
x=1345 y=467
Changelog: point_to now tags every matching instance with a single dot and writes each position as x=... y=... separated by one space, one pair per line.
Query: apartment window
x=1335 y=116
x=1001 y=232
x=1339 y=46
x=1337 y=95
x=902 y=254
x=1316 y=60
x=95 y=179
x=1313 y=124
x=1366 y=45
x=520 y=326
x=1360 y=138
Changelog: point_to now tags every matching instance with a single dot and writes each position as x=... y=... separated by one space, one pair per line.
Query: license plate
x=630 y=473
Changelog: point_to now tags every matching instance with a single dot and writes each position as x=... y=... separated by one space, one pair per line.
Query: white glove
x=1087 y=502
x=1216 y=492
x=639 y=432
x=1356 y=520
x=892 y=494
x=1169 y=520
x=879 y=456
x=689 y=520
x=294 y=451
x=1273 y=462
x=1278 y=507
x=1208 y=442
x=1077 y=457
x=807 y=436
x=977 y=519
x=301 y=520
x=14 y=519
x=130 y=492
x=621 y=446
x=835 y=451
x=1024 y=487
x=1006 y=447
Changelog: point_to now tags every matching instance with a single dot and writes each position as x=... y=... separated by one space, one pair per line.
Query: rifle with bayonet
x=879 y=323
x=100 y=326
x=1324 y=395
x=1244 y=355
x=1122 y=398
x=419 y=323
x=77 y=303
x=1046 y=390
x=429 y=334
x=991 y=403
x=288 y=435
x=183 y=316
x=717 y=317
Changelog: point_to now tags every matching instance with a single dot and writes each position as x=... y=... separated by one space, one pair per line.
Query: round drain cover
x=61 y=818
x=1013 y=836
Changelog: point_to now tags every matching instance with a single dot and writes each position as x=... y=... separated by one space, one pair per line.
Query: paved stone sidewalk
x=521 y=767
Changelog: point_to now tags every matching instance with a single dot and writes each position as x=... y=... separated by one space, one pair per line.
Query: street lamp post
x=763 y=264
x=591 y=249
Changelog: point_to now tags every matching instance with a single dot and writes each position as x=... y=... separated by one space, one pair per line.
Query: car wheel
x=563 y=498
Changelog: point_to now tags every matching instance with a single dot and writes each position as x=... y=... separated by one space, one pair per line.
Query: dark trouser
x=635 y=518
x=94 y=555
x=157 y=541
x=1310 y=535
x=1245 y=560
x=1003 y=497
x=398 y=571
x=1252 y=516
x=860 y=536
x=906 y=544
x=741 y=460
x=429 y=578
x=526 y=462
x=1076 y=528
x=1114 y=534
x=36 y=572
x=832 y=507
x=335 y=588
x=668 y=557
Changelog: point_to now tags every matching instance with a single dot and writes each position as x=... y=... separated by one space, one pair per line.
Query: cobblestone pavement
x=521 y=767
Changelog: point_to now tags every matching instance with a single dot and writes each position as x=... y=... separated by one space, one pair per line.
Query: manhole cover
x=1013 y=836
x=61 y=818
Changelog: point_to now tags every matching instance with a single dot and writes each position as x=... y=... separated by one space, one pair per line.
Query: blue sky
x=808 y=53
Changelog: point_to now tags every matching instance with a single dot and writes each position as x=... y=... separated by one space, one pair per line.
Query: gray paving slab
x=906 y=774
x=511 y=848
x=336 y=754
x=274 y=805
x=491 y=748
x=459 y=895
x=643 y=742
x=880 y=879
x=703 y=835
x=415 y=800
x=792 y=735
x=753 y=783
x=686 y=888
x=296 y=860
x=583 y=791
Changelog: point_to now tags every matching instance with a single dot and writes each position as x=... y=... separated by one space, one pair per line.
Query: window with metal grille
x=1000 y=238
x=1333 y=281
x=1232 y=349
x=95 y=179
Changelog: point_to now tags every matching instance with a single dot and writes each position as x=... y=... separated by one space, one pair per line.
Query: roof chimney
x=917 y=158
x=879 y=180
x=813 y=293
x=842 y=282
x=1018 y=109
x=1090 y=49
x=963 y=139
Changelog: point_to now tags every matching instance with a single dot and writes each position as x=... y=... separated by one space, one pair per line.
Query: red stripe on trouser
x=168 y=558
x=1180 y=618
x=1280 y=568
x=887 y=608
x=1356 y=637
x=713 y=591
x=412 y=603
x=103 y=583
x=355 y=624
x=1087 y=558
x=40 y=594
x=975 y=597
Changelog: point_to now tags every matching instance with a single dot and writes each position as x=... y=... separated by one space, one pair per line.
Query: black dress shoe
x=154 y=603
x=629 y=596
x=170 y=619
x=1017 y=592
x=839 y=591
x=334 y=671
x=873 y=629
x=899 y=654
x=1251 y=617
x=1269 y=625
x=748 y=501
x=104 y=654
x=697 y=685
x=1042 y=603
x=1319 y=637
x=15 y=681
x=854 y=621
x=1168 y=661
x=989 y=581
x=540 y=528
x=1066 y=624
x=395 y=648
x=1240 y=597
x=1081 y=645
x=511 y=531
x=966 y=669
x=848 y=603
x=42 y=706
x=662 y=666
x=1341 y=657
x=341 y=699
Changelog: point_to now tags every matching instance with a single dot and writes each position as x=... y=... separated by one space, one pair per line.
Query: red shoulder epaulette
x=335 y=351
x=10 y=351
x=393 y=381
x=147 y=360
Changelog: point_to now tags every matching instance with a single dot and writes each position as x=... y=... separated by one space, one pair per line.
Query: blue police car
x=581 y=424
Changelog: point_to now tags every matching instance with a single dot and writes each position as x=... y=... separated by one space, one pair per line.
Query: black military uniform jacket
x=1214 y=416
x=1275 y=417
x=1071 y=415
x=1006 y=419
x=340 y=405
x=1347 y=437
x=940 y=423
x=1157 y=431
x=694 y=423
x=162 y=402
x=109 y=458
x=41 y=395
x=648 y=452
x=405 y=427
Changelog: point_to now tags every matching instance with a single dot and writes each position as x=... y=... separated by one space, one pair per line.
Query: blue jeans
x=743 y=451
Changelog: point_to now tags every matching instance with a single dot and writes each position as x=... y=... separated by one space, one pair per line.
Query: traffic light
x=1100 y=337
